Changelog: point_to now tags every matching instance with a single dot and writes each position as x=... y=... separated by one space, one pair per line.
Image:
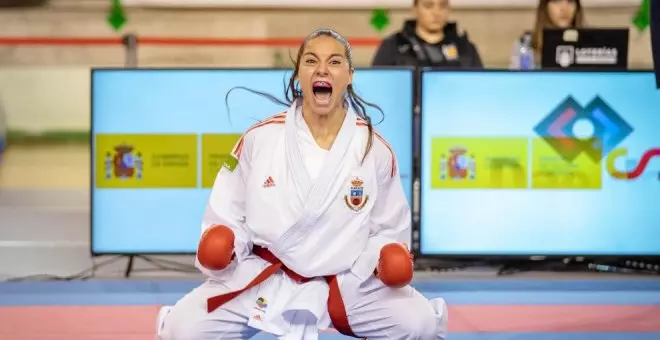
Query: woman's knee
x=420 y=319
x=221 y=324
x=180 y=324
x=189 y=319
x=400 y=313
x=441 y=315
x=418 y=324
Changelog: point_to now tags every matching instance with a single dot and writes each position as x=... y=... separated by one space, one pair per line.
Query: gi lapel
x=294 y=158
x=315 y=195
x=321 y=190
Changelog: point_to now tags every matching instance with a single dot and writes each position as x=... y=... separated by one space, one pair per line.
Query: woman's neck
x=324 y=128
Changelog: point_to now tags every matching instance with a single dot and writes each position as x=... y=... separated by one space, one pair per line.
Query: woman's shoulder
x=260 y=131
x=266 y=125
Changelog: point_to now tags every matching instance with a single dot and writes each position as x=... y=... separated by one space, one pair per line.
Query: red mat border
x=124 y=320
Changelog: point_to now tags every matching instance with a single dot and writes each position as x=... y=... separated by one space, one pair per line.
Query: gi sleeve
x=390 y=219
x=226 y=205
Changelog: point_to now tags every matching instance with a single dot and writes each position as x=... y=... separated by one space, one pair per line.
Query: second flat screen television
x=540 y=163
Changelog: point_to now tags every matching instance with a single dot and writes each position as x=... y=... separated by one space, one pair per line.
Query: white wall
x=38 y=99
x=493 y=30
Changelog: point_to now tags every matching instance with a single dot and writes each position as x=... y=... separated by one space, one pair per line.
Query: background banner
x=146 y=161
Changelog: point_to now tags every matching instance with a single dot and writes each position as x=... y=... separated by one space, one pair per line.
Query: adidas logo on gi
x=269 y=183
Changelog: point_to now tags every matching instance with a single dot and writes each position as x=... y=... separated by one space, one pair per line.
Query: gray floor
x=48 y=232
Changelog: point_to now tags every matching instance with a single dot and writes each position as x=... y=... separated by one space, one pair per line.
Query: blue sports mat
x=472 y=292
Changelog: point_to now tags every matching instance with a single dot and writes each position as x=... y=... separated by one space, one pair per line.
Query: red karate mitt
x=395 y=266
x=216 y=247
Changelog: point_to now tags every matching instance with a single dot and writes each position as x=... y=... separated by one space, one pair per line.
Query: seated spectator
x=549 y=14
x=429 y=40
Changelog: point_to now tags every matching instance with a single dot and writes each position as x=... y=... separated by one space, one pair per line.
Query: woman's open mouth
x=322 y=91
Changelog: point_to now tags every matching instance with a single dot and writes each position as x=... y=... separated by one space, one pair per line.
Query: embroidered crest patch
x=356 y=199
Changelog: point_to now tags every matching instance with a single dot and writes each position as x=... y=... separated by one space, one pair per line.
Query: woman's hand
x=216 y=247
x=395 y=266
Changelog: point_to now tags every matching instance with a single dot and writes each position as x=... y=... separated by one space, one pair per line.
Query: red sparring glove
x=395 y=266
x=216 y=247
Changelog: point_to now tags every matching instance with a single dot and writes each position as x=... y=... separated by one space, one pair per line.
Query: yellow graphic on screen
x=146 y=161
x=215 y=151
x=552 y=171
x=479 y=163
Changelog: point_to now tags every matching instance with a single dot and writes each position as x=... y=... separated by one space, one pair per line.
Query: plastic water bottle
x=526 y=53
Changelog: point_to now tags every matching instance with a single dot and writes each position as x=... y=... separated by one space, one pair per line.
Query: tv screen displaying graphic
x=160 y=136
x=540 y=163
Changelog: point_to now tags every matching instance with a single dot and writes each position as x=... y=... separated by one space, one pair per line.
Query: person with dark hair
x=429 y=40
x=561 y=14
x=305 y=222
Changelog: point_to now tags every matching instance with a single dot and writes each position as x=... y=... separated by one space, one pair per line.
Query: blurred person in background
x=560 y=14
x=428 y=40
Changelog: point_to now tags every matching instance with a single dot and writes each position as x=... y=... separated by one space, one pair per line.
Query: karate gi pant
x=374 y=311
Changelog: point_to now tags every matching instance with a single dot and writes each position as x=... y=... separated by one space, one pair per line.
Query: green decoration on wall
x=380 y=19
x=278 y=59
x=642 y=18
x=117 y=16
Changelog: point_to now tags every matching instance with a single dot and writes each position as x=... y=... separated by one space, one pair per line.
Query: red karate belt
x=336 y=307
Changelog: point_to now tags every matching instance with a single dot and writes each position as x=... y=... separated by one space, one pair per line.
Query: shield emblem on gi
x=356 y=199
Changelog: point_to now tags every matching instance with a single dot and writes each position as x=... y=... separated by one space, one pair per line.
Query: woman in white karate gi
x=307 y=208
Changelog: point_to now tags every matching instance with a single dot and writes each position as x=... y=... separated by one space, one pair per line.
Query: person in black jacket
x=429 y=40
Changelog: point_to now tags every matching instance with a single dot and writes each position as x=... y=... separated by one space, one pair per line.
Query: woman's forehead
x=325 y=46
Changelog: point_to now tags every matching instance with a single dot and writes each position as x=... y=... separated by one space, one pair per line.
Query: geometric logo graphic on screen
x=124 y=164
x=634 y=168
x=595 y=129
